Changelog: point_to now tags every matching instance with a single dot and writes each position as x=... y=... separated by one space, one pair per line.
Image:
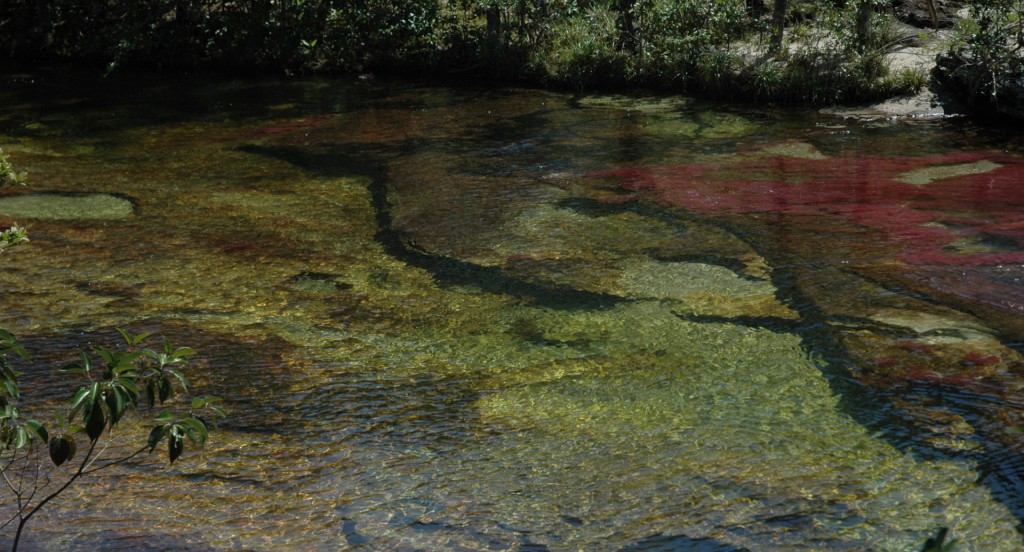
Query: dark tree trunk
x=864 y=11
x=756 y=8
x=627 y=27
x=778 y=24
x=493 y=24
x=259 y=14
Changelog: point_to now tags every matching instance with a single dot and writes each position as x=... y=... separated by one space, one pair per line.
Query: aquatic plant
x=906 y=199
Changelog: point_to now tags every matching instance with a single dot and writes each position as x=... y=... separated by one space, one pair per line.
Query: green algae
x=800 y=150
x=666 y=104
x=717 y=125
x=66 y=207
x=703 y=289
x=687 y=391
x=708 y=125
x=673 y=127
x=927 y=175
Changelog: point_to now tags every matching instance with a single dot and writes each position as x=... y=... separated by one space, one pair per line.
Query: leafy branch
x=15 y=234
x=115 y=383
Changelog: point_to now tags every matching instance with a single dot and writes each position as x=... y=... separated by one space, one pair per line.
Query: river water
x=509 y=319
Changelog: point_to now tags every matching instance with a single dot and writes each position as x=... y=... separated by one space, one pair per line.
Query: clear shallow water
x=510 y=319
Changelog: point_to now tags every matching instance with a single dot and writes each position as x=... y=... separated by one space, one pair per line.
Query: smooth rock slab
x=57 y=206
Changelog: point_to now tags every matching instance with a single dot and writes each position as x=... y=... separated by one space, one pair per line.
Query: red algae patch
x=962 y=209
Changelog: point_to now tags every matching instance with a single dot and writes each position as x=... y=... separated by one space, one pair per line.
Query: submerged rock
x=59 y=206
x=702 y=289
x=633 y=103
x=733 y=420
x=801 y=150
x=703 y=124
x=927 y=175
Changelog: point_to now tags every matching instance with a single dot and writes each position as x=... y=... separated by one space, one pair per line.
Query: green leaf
x=39 y=432
x=165 y=416
x=179 y=354
x=6 y=371
x=9 y=344
x=200 y=402
x=95 y=421
x=130 y=389
x=12 y=388
x=151 y=392
x=62 y=449
x=155 y=436
x=127 y=337
x=181 y=378
x=92 y=399
x=108 y=356
x=199 y=427
x=74 y=368
x=126 y=362
x=79 y=400
x=164 y=387
x=116 y=404
x=175 y=444
x=133 y=340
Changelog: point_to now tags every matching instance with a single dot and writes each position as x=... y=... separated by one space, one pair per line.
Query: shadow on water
x=1001 y=469
x=398 y=411
x=337 y=161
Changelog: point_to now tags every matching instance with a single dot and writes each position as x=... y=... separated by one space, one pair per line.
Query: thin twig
x=51 y=496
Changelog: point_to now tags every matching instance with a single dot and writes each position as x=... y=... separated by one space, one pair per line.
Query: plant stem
x=43 y=502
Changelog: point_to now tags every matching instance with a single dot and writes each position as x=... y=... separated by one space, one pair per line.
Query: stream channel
x=509 y=319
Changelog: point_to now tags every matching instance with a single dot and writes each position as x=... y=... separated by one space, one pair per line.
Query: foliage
x=7 y=174
x=832 y=59
x=707 y=46
x=115 y=382
x=985 y=60
x=15 y=234
x=581 y=50
x=676 y=36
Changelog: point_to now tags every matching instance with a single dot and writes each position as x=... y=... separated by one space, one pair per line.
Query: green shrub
x=581 y=51
x=985 y=59
x=677 y=37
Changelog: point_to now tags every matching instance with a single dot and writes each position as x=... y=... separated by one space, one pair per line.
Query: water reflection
x=440 y=328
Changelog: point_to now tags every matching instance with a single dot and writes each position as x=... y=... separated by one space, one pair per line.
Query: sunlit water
x=470 y=319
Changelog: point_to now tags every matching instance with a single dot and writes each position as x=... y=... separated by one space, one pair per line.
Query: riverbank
x=931 y=101
x=818 y=54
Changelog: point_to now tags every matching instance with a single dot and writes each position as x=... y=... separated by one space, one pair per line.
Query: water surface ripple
x=465 y=319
